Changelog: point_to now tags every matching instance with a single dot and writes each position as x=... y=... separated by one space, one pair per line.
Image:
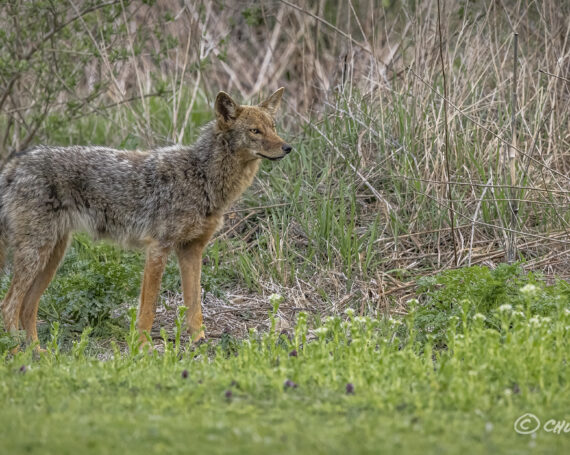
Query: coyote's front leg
x=190 y=261
x=153 y=269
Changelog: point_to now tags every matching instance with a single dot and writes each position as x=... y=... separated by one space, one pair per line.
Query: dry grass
x=332 y=56
x=388 y=60
x=365 y=98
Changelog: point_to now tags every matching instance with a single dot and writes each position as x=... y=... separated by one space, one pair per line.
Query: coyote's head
x=250 y=130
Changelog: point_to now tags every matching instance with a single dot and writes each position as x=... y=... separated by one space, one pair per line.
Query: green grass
x=479 y=346
x=453 y=376
x=473 y=354
x=408 y=394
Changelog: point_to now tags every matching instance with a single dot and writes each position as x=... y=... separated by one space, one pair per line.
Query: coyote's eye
x=255 y=131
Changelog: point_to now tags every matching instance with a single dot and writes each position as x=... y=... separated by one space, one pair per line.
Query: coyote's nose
x=286 y=148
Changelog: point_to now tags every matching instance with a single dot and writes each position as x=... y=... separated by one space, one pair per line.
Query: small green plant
x=53 y=345
x=350 y=381
x=465 y=292
x=7 y=341
x=133 y=336
x=180 y=327
x=78 y=348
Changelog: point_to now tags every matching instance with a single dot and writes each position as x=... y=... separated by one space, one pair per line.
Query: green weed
x=351 y=384
x=456 y=294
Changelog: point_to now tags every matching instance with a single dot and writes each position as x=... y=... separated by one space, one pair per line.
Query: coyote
x=170 y=198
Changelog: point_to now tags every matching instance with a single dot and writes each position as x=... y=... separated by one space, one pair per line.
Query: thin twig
x=554 y=75
x=328 y=24
x=513 y=205
x=480 y=184
x=47 y=36
x=494 y=226
x=447 y=170
x=474 y=219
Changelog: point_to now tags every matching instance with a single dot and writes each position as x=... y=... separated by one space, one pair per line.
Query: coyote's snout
x=164 y=199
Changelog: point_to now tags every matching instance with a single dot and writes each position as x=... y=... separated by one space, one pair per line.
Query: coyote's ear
x=226 y=109
x=272 y=103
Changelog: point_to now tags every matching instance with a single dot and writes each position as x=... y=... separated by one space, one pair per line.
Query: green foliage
x=8 y=341
x=253 y=15
x=48 y=52
x=347 y=385
x=92 y=281
x=471 y=290
x=479 y=349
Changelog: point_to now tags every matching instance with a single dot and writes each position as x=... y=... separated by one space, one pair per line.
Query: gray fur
x=161 y=199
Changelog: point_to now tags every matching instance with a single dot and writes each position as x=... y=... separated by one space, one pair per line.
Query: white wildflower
x=321 y=330
x=412 y=304
x=393 y=321
x=480 y=317
x=349 y=312
x=529 y=289
x=276 y=299
x=535 y=320
x=505 y=307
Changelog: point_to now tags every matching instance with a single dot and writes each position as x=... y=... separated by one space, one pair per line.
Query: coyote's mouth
x=272 y=158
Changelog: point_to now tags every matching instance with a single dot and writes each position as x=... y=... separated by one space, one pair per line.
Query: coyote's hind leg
x=29 y=307
x=29 y=261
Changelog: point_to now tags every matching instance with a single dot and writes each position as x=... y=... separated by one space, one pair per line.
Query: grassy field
x=348 y=384
x=357 y=299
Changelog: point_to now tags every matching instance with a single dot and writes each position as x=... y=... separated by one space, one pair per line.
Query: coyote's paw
x=38 y=352
x=197 y=337
x=145 y=343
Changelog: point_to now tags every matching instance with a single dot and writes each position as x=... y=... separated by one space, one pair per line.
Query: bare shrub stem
x=513 y=204
x=447 y=170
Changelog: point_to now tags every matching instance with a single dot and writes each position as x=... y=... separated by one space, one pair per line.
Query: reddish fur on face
x=252 y=127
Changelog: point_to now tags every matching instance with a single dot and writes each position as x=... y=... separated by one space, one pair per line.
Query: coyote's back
x=162 y=199
x=128 y=196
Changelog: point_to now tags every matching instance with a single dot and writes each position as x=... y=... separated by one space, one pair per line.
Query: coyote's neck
x=228 y=172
